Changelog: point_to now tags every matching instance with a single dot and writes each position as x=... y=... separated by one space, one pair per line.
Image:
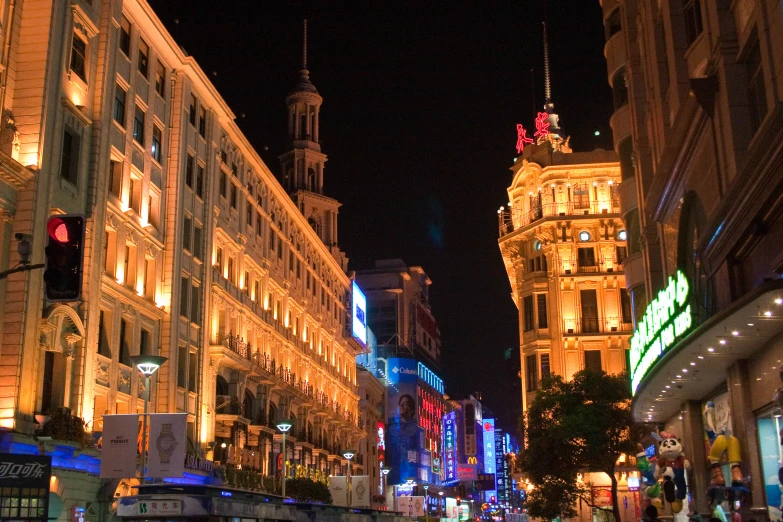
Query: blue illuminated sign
x=489 y=445
x=428 y=376
x=450 y=443
x=359 y=314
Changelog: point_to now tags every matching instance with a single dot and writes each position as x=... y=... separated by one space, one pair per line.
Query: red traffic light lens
x=58 y=230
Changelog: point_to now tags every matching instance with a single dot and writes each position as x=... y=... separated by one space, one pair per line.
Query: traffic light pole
x=23 y=268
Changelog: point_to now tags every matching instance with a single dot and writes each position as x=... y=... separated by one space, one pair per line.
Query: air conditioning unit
x=570 y=330
x=568 y=271
x=610 y=269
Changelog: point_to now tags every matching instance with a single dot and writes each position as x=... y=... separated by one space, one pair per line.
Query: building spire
x=304 y=47
x=547 y=80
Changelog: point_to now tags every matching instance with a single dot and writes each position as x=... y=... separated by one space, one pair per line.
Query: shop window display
x=770 y=430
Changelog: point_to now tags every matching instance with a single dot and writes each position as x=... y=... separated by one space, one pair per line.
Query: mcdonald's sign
x=472 y=460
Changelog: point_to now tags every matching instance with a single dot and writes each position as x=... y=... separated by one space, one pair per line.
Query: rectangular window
x=119 y=105
x=589 y=308
x=581 y=196
x=78 y=54
x=186 y=234
x=154 y=209
x=259 y=226
x=542 y=317
x=531 y=375
x=138 y=125
x=249 y=207
x=528 y=311
x=586 y=257
x=693 y=23
x=202 y=122
x=69 y=166
x=223 y=183
x=256 y=295
x=233 y=196
x=279 y=247
x=144 y=52
x=247 y=282
x=200 y=181
x=197 y=241
x=231 y=269
x=625 y=301
x=156 y=148
x=145 y=346
x=621 y=253
x=192 y=369
x=544 y=360
x=125 y=32
x=757 y=96
x=160 y=79
x=104 y=334
x=192 y=115
x=219 y=257
x=135 y=195
x=184 y=285
x=593 y=360
x=149 y=278
x=125 y=336
x=291 y=257
x=182 y=367
x=189 y=171
x=194 y=304
x=271 y=242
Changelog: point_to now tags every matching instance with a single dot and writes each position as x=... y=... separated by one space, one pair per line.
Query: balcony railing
x=514 y=219
x=591 y=325
x=588 y=266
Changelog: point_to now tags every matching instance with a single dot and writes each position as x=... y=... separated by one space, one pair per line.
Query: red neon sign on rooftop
x=542 y=125
x=522 y=138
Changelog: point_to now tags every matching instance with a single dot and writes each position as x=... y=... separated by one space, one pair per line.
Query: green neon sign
x=667 y=319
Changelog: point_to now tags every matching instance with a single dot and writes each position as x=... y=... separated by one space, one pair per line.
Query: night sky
x=421 y=100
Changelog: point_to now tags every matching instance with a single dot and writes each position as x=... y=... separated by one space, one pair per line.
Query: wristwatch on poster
x=166 y=443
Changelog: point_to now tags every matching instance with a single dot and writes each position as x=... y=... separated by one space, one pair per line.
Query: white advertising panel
x=411 y=506
x=338 y=487
x=119 y=446
x=359 y=314
x=360 y=491
x=167 y=444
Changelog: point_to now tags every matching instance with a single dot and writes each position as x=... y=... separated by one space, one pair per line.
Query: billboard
x=167 y=444
x=467 y=471
x=402 y=429
x=488 y=441
x=359 y=314
x=500 y=460
x=118 y=452
x=450 y=447
x=380 y=440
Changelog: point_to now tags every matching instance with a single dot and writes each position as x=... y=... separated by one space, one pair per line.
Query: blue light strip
x=62 y=457
x=428 y=376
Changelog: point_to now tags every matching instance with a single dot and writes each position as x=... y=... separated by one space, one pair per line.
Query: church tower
x=303 y=164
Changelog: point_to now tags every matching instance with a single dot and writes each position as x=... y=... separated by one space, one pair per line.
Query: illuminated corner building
x=399 y=310
x=698 y=109
x=194 y=251
x=371 y=451
x=280 y=342
x=563 y=244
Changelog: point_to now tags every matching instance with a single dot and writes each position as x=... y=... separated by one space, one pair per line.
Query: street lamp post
x=348 y=454
x=440 y=507
x=385 y=483
x=147 y=365
x=284 y=426
x=426 y=502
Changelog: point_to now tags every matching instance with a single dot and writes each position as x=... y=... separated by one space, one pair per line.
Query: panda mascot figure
x=671 y=469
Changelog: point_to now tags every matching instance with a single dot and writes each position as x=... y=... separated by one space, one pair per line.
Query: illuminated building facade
x=698 y=109
x=563 y=244
x=194 y=251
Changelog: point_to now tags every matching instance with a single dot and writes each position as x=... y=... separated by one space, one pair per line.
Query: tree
x=580 y=425
x=306 y=490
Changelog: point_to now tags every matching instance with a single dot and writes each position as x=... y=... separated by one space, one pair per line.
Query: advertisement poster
x=411 y=506
x=380 y=430
x=771 y=446
x=602 y=496
x=467 y=472
x=402 y=429
x=167 y=445
x=450 y=447
x=338 y=487
x=488 y=441
x=118 y=446
x=451 y=509
x=500 y=477
x=24 y=486
x=360 y=491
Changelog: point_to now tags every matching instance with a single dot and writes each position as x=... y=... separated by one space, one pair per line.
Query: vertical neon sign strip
x=450 y=446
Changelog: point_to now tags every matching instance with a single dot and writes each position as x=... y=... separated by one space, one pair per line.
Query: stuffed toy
x=721 y=443
x=671 y=468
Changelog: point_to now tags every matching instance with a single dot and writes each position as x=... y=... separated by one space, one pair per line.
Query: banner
x=360 y=491
x=450 y=446
x=167 y=445
x=402 y=428
x=338 y=487
x=411 y=506
x=25 y=471
x=118 y=449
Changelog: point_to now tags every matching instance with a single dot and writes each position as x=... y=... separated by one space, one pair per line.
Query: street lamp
x=349 y=454
x=440 y=507
x=284 y=426
x=147 y=365
x=385 y=483
x=426 y=502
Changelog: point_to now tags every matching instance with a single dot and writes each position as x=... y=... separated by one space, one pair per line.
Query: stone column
x=693 y=441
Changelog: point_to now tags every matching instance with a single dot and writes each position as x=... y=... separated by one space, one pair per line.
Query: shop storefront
x=711 y=386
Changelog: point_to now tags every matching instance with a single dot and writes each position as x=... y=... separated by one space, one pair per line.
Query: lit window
x=160 y=77
x=584 y=235
x=156 y=143
x=138 y=125
x=144 y=52
x=622 y=235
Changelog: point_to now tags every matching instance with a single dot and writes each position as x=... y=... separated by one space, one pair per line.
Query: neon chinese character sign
x=450 y=443
x=542 y=125
x=522 y=138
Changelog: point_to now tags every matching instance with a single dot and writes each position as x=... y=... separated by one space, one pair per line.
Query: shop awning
x=697 y=365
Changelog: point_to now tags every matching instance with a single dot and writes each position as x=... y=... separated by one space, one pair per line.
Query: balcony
x=591 y=267
x=515 y=219
x=615 y=54
x=620 y=122
x=596 y=326
x=627 y=192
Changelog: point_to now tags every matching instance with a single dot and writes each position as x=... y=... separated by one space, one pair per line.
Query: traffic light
x=64 y=257
x=459 y=501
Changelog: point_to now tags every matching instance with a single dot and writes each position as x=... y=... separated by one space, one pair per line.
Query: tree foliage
x=306 y=490
x=573 y=426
